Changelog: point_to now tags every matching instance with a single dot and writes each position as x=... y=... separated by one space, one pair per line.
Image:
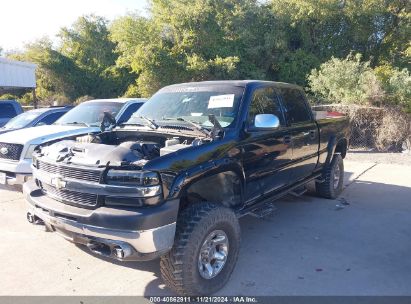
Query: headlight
x=30 y=151
x=145 y=183
x=132 y=178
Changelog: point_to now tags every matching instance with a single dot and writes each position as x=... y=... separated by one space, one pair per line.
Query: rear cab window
x=50 y=118
x=295 y=106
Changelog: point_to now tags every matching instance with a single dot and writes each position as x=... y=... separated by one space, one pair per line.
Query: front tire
x=205 y=250
x=333 y=179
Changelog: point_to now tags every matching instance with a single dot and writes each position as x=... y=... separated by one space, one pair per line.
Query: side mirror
x=266 y=121
x=41 y=123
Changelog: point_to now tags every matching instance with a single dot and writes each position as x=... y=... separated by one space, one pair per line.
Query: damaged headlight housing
x=132 y=178
x=146 y=185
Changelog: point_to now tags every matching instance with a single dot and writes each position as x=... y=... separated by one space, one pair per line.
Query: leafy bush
x=8 y=96
x=352 y=81
x=348 y=81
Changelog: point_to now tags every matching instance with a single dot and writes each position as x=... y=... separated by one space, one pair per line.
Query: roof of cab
x=43 y=110
x=239 y=83
x=119 y=100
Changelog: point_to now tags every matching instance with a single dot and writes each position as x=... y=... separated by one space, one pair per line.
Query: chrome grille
x=70 y=172
x=71 y=197
x=10 y=151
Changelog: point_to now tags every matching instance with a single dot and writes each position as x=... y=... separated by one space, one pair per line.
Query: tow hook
x=33 y=219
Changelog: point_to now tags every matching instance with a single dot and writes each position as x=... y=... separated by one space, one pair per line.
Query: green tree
x=377 y=29
x=199 y=40
x=55 y=73
x=86 y=43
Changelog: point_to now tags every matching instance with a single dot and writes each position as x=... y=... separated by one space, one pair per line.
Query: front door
x=267 y=154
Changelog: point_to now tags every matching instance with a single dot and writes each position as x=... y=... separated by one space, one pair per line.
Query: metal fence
x=374 y=128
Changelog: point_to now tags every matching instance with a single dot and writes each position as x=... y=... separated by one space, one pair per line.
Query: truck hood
x=43 y=134
x=91 y=154
x=3 y=130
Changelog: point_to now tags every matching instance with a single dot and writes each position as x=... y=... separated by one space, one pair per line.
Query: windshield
x=89 y=113
x=22 y=120
x=192 y=104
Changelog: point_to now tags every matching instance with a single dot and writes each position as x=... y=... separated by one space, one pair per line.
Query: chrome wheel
x=213 y=254
x=336 y=176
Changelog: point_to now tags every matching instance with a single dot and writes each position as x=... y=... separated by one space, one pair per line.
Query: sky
x=24 y=21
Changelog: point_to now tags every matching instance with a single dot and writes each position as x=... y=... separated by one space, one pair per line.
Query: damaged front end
x=96 y=191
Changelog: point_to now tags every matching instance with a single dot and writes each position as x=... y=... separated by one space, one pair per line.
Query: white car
x=16 y=147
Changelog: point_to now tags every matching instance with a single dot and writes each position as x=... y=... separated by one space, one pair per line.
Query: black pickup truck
x=173 y=180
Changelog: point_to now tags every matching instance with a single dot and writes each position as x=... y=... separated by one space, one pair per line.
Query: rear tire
x=333 y=179
x=204 y=230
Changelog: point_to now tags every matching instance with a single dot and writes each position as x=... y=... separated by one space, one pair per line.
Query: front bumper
x=142 y=234
x=17 y=172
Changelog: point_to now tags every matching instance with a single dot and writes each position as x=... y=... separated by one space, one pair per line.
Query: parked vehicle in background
x=8 y=110
x=16 y=147
x=173 y=180
x=35 y=118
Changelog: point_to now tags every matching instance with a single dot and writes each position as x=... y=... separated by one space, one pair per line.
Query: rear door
x=266 y=153
x=303 y=130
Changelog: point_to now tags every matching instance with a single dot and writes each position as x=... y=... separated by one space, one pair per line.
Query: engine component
x=89 y=138
x=147 y=150
x=173 y=148
x=172 y=141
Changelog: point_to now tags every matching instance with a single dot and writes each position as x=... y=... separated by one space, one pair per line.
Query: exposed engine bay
x=117 y=148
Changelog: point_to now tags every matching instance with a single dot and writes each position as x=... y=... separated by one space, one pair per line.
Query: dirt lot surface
x=380 y=158
x=356 y=245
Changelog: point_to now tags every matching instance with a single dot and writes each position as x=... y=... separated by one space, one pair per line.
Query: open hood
x=42 y=134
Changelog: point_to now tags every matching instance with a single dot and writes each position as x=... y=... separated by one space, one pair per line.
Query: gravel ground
x=380 y=158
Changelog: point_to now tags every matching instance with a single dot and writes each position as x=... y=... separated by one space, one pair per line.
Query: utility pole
x=34 y=98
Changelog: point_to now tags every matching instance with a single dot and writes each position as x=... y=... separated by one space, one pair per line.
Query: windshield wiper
x=197 y=126
x=151 y=123
x=77 y=123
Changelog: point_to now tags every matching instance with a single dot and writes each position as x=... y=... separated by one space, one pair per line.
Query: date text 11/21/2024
x=203 y=299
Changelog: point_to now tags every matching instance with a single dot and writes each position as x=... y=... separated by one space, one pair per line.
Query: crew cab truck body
x=17 y=146
x=175 y=178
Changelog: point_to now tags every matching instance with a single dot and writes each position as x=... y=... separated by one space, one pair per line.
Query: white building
x=17 y=74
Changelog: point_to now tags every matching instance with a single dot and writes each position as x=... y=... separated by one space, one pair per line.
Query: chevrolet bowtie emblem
x=58 y=182
x=4 y=151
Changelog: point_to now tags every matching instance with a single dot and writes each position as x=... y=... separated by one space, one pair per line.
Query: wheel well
x=342 y=147
x=224 y=188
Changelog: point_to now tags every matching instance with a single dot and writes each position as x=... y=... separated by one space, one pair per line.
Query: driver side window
x=264 y=101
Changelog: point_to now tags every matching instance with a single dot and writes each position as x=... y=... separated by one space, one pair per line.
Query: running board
x=263 y=211
x=250 y=207
x=299 y=191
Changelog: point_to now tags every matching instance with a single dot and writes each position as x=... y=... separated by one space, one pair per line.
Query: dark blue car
x=8 y=110
x=33 y=118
